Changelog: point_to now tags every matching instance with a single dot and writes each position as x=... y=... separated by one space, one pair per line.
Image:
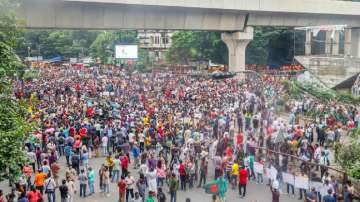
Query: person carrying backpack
x=64 y=191
x=160 y=195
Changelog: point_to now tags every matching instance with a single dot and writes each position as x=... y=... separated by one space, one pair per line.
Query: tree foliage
x=55 y=43
x=71 y=43
x=270 y=46
x=189 y=45
x=347 y=156
x=13 y=125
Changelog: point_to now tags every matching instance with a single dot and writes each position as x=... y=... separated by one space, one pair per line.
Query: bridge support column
x=347 y=42
x=352 y=42
x=308 y=37
x=332 y=42
x=336 y=43
x=237 y=43
x=328 y=43
x=355 y=43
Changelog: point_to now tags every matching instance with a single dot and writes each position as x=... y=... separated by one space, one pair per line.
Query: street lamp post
x=28 y=48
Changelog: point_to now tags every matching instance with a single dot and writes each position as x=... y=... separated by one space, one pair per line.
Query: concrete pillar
x=336 y=43
x=328 y=42
x=347 y=42
x=355 y=43
x=237 y=43
x=308 y=37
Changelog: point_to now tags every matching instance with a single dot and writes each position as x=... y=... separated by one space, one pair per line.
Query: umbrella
x=50 y=130
x=83 y=132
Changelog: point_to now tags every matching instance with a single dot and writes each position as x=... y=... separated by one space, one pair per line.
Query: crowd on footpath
x=159 y=134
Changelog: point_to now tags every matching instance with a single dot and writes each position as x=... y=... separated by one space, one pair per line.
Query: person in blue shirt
x=136 y=153
x=67 y=153
x=329 y=197
x=66 y=132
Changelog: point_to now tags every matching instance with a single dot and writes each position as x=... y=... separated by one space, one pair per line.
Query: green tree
x=189 y=45
x=51 y=43
x=256 y=52
x=271 y=46
x=182 y=48
x=13 y=125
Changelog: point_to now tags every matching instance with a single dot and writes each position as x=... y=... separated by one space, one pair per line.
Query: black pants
x=183 y=182
x=77 y=167
x=323 y=170
x=33 y=167
x=302 y=192
x=142 y=146
x=202 y=180
x=242 y=187
x=38 y=162
x=67 y=160
x=129 y=192
x=288 y=186
x=217 y=173
x=110 y=171
x=82 y=190
x=41 y=189
x=124 y=172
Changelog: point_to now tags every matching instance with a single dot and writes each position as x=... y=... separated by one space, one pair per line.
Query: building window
x=152 y=40
x=157 y=40
x=165 y=40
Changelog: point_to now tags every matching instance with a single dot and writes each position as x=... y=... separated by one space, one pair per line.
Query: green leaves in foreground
x=13 y=125
x=13 y=133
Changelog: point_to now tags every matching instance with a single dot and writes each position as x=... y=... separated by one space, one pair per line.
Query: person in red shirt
x=243 y=179
x=124 y=164
x=229 y=151
x=182 y=176
x=34 y=195
x=122 y=189
x=239 y=138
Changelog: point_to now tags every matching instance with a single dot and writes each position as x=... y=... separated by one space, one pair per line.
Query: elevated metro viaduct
x=234 y=18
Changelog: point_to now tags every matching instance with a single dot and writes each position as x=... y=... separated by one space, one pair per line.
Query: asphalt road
x=255 y=192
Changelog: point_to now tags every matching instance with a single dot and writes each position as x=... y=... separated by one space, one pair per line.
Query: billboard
x=126 y=51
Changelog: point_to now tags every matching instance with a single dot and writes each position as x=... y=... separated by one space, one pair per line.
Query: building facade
x=156 y=42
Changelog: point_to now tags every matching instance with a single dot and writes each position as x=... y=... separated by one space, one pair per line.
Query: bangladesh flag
x=218 y=187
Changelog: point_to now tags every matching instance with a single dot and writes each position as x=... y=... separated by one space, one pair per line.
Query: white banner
x=273 y=173
x=301 y=182
x=317 y=185
x=288 y=178
x=258 y=168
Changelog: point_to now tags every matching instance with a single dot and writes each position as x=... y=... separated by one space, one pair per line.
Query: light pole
x=39 y=53
x=28 y=48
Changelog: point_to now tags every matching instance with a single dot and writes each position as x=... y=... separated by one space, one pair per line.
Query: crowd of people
x=160 y=133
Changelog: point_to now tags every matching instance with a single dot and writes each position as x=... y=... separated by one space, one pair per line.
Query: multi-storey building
x=157 y=42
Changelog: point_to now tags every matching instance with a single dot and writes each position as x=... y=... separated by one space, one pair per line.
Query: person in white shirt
x=130 y=181
x=32 y=158
x=71 y=189
x=104 y=144
x=317 y=155
x=50 y=186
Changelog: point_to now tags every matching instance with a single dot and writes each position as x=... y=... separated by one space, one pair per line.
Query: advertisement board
x=126 y=51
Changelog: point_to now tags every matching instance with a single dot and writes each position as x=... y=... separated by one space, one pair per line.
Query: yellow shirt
x=109 y=161
x=148 y=140
x=146 y=120
x=235 y=169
